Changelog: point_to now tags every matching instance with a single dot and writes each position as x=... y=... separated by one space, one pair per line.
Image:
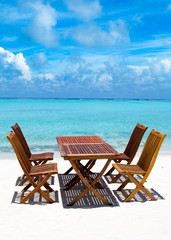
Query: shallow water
x=113 y=120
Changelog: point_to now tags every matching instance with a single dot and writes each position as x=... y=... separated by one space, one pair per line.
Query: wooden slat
x=40 y=156
x=22 y=139
x=44 y=169
x=124 y=168
x=79 y=139
x=134 y=141
x=95 y=149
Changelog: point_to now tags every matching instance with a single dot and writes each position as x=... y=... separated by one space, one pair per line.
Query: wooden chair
x=131 y=148
x=36 y=175
x=143 y=166
x=39 y=158
x=36 y=159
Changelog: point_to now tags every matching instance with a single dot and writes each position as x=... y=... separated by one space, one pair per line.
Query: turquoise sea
x=113 y=120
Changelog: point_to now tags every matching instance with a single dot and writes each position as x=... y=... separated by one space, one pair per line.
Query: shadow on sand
x=89 y=200
x=36 y=198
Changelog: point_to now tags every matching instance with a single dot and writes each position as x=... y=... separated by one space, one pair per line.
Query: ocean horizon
x=77 y=98
x=43 y=119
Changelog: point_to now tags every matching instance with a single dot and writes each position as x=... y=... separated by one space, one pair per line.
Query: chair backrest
x=151 y=150
x=134 y=141
x=20 y=152
x=22 y=139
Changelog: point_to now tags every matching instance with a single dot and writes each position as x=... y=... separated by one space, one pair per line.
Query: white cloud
x=160 y=68
x=104 y=81
x=166 y=63
x=80 y=74
x=116 y=75
x=138 y=69
x=44 y=20
x=14 y=64
x=156 y=70
x=46 y=76
x=84 y=9
x=93 y=36
x=21 y=65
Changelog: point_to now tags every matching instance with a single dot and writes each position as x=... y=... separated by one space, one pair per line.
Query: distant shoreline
x=116 y=99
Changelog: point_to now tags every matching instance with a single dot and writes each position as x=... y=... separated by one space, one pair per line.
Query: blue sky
x=85 y=49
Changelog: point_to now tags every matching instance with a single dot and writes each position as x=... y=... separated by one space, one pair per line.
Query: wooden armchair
x=143 y=166
x=36 y=175
x=131 y=148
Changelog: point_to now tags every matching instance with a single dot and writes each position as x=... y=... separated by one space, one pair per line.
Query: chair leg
x=123 y=184
x=23 y=180
x=37 y=188
x=115 y=178
x=68 y=171
x=110 y=171
x=139 y=187
x=46 y=185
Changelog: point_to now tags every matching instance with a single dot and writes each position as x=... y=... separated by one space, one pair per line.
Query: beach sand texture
x=134 y=220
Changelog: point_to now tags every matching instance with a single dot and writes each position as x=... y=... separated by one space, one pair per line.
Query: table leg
x=85 y=170
x=89 y=186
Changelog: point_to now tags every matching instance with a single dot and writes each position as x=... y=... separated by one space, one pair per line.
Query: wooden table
x=77 y=148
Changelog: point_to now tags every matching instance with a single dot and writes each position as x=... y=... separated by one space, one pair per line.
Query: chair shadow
x=139 y=197
x=89 y=200
x=122 y=178
x=36 y=198
x=51 y=181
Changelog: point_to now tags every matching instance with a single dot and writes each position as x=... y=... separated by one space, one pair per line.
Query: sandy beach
x=134 y=220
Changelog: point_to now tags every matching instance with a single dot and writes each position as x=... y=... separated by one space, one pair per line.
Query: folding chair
x=130 y=150
x=36 y=175
x=143 y=166
x=37 y=159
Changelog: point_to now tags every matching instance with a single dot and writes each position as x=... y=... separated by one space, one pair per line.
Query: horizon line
x=119 y=99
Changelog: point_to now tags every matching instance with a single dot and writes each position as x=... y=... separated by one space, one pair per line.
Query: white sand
x=135 y=220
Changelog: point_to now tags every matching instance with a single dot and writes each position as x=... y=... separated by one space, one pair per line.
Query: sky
x=85 y=49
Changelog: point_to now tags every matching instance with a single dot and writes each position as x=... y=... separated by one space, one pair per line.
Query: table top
x=85 y=147
x=79 y=139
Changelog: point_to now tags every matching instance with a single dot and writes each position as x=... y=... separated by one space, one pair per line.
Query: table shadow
x=89 y=200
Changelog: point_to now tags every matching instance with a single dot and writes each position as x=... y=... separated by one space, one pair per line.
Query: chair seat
x=44 y=169
x=42 y=156
x=132 y=169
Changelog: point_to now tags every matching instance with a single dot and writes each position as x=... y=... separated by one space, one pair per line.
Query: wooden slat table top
x=79 y=139
x=94 y=148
